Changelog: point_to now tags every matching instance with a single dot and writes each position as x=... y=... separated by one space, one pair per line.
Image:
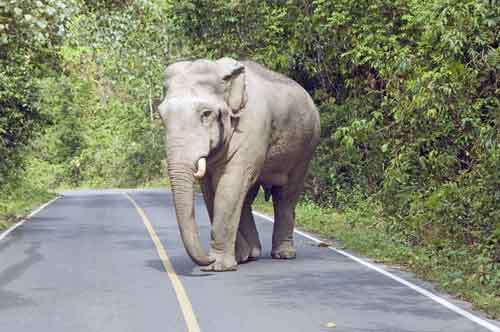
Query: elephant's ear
x=233 y=75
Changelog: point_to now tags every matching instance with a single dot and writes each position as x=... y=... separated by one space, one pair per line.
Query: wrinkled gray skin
x=254 y=128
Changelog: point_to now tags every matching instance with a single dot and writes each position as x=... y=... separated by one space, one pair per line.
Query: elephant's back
x=294 y=120
x=288 y=105
x=285 y=99
x=267 y=74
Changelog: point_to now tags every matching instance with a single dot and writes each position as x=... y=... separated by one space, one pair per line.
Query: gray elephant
x=236 y=126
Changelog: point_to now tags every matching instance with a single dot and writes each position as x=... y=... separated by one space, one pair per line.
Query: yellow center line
x=180 y=292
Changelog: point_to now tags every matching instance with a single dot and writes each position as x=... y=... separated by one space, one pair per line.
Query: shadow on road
x=182 y=267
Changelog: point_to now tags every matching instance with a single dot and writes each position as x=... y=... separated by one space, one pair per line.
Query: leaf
x=41 y=24
x=330 y=325
x=50 y=10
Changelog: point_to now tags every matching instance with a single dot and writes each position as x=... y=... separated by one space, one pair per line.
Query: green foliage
x=104 y=131
x=30 y=34
x=77 y=83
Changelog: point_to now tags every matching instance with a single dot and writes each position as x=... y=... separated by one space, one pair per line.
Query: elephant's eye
x=206 y=114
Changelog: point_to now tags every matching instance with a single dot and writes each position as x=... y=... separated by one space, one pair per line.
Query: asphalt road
x=88 y=262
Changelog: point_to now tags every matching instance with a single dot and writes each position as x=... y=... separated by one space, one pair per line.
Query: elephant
x=236 y=126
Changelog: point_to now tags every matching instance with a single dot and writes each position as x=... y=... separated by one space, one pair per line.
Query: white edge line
x=19 y=223
x=416 y=288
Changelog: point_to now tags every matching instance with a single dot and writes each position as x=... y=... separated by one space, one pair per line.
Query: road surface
x=112 y=260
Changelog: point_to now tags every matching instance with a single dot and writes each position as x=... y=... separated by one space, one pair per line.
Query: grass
x=162 y=182
x=465 y=275
x=18 y=201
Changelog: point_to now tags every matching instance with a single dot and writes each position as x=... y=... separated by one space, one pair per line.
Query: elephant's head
x=201 y=98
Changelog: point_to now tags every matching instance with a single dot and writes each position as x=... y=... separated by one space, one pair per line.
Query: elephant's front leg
x=243 y=249
x=230 y=195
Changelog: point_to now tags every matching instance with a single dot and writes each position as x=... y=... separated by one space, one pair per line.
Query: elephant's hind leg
x=242 y=250
x=249 y=230
x=285 y=200
x=248 y=245
x=284 y=222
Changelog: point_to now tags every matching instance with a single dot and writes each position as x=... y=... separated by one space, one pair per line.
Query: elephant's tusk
x=202 y=168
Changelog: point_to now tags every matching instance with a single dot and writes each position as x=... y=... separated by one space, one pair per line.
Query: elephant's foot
x=222 y=263
x=255 y=253
x=284 y=251
x=246 y=251
x=247 y=254
x=242 y=252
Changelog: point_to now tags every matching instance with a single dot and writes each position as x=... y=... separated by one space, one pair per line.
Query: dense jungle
x=408 y=169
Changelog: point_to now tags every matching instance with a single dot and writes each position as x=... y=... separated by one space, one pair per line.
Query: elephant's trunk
x=182 y=181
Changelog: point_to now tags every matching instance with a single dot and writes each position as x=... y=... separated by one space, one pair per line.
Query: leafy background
x=408 y=92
